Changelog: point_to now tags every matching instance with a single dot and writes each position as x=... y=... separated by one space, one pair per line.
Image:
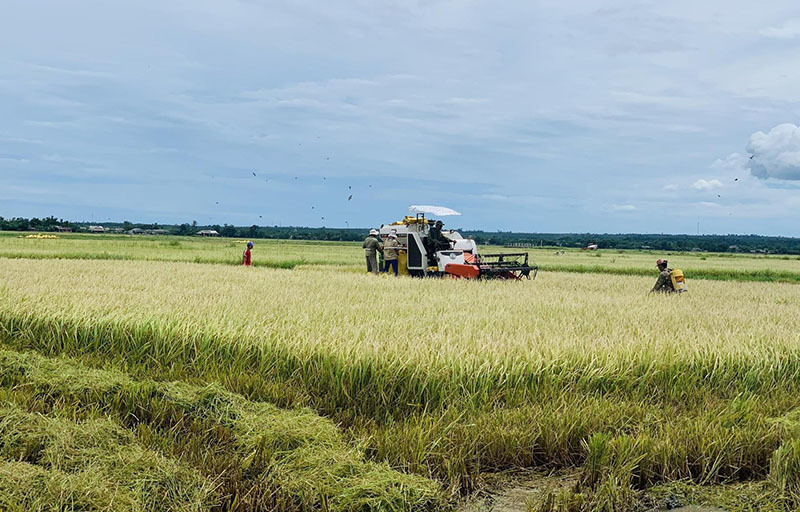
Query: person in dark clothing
x=664 y=281
x=372 y=246
x=438 y=240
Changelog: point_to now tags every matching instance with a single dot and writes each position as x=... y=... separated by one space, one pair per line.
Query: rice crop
x=294 y=253
x=266 y=457
x=51 y=463
x=268 y=253
x=452 y=380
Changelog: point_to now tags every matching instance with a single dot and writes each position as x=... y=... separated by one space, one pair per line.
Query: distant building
x=136 y=231
x=591 y=247
x=63 y=229
x=158 y=231
x=97 y=229
x=208 y=232
x=733 y=248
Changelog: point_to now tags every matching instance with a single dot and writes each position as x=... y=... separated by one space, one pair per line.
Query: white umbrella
x=440 y=211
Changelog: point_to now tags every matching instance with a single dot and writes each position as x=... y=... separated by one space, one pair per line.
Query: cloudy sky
x=579 y=116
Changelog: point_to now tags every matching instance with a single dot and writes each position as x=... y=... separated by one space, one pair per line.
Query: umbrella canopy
x=440 y=211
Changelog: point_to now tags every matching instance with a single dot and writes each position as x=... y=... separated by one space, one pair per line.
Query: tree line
x=656 y=242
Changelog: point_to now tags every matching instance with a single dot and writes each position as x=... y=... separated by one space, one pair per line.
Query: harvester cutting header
x=429 y=250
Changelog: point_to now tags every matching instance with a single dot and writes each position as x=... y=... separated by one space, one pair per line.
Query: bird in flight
x=254 y=174
x=351 y=197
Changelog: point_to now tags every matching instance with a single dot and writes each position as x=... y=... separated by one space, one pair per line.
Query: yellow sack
x=678 y=281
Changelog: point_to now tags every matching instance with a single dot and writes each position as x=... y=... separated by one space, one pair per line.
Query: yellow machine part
x=408 y=219
x=402 y=263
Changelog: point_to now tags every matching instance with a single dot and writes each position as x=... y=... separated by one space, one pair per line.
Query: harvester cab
x=432 y=251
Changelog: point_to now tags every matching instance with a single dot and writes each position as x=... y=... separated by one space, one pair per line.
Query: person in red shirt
x=246 y=256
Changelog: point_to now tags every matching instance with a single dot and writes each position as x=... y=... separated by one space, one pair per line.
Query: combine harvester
x=433 y=252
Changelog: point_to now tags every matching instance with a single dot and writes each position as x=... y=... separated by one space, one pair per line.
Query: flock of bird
x=349 y=197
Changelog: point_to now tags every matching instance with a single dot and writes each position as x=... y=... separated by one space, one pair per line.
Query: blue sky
x=581 y=116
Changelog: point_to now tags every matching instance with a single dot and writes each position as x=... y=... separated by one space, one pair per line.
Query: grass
x=446 y=380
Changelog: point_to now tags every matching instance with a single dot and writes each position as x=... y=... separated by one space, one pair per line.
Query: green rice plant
x=277 y=459
x=57 y=464
x=785 y=472
x=291 y=253
x=444 y=379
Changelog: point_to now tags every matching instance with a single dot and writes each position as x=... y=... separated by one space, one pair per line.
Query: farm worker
x=371 y=248
x=664 y=282
x=436 y=237
x=390 y=251
x=246 y=256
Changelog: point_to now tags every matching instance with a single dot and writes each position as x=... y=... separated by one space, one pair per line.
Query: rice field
x=292 y=253
x=319 y=387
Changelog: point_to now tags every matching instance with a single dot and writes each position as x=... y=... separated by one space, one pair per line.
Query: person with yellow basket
x=669 y=280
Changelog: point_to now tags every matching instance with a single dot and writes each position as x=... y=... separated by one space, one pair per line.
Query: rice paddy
x=318 y=387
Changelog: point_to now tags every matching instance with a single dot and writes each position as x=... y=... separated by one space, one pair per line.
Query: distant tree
x=228 y=231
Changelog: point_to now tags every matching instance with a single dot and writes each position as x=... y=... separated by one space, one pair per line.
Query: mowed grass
x=453 y=380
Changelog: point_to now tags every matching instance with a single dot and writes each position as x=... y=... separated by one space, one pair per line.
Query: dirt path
x=517 y=492
x=514 y=495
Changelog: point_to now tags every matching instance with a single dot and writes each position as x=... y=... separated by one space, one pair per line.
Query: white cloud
x=702 y=184
x=790 y=29
x=670 y=187
x=775 y=154
x=622 y=208
x=733 y=162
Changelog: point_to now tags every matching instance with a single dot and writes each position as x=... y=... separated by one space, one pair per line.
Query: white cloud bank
x=702 y=184
x=775 y=154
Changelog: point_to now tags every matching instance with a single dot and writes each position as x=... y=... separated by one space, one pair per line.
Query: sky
x=581 y=116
